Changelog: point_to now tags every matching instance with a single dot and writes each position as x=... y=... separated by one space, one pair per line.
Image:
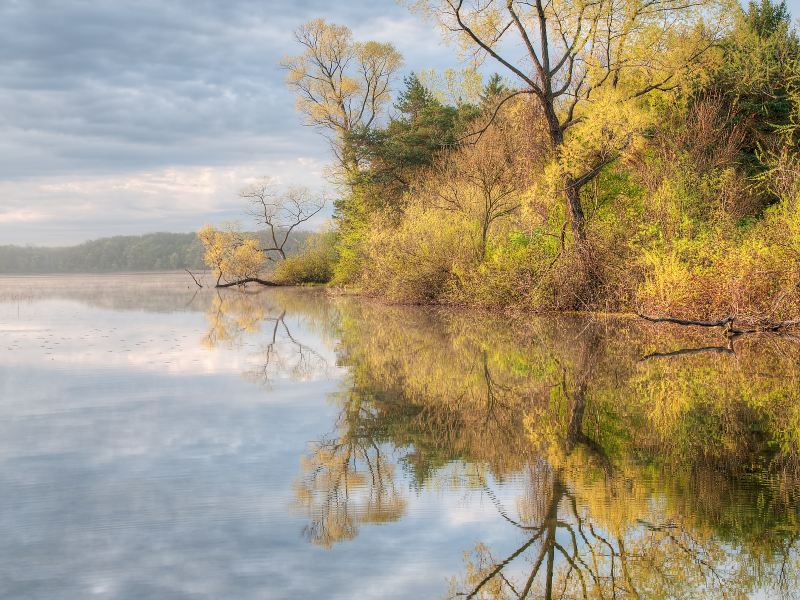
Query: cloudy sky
x=129 y=117
x=122 y=116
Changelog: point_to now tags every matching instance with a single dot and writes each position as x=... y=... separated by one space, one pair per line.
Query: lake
x=162 y=441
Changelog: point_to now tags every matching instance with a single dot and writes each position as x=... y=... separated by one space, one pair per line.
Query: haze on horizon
x=118 y=118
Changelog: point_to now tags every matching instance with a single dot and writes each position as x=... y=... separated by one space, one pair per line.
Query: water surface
x=160 y=441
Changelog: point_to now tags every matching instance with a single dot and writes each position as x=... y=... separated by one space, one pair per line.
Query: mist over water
x=163 y=441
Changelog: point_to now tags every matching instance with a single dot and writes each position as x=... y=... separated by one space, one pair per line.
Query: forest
x=121 y=253
x=627 y=155
x=151 y=252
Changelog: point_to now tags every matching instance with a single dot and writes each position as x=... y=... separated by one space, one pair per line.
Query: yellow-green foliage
x=683 y=158
x=507 y=275
x=313 y=265
x=230 y=254
x=341 y=83
x=762 y=274
x=610 y=122
x=753 y=275
x=415 y=262
x=679 y=250
x=351 y=234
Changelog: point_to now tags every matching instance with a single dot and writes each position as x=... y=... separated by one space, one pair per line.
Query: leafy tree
x=582 y=58
x=761 y=58
x=494 y=91
x=237 y=258
x=767 y=18
x=233 y=257
x=414 y=99
x=393 y=156
x=341 y=85
x=481 y=182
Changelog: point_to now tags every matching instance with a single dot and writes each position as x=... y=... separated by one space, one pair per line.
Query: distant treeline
x=150 y=252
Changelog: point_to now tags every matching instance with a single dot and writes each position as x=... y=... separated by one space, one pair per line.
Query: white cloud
x=20 y=216
x=148 y=116
x=173 y=198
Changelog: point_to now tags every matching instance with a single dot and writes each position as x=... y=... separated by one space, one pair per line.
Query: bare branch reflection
x=259 y=319
x=631 y=475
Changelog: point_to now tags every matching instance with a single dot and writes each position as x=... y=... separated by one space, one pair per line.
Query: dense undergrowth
x=699 y=215
x=694 y=208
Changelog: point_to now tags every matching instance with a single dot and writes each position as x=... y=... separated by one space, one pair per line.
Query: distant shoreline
x=96 y=274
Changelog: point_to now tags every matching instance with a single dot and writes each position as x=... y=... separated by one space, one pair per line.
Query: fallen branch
x=769 y=327
x=727 y=323
x=193 y=278
x=248 y=280
x=721 y=323
x=684 y=351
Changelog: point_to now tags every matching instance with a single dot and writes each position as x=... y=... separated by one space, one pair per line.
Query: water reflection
x=653 y=463
x=196 y=444
x=233 y=317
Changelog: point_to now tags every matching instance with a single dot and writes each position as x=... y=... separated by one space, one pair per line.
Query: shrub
x=416 y=261
x=313 y=265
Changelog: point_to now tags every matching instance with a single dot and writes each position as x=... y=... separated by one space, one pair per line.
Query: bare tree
x=481 y=182
x=280 y=212
x=567 y=53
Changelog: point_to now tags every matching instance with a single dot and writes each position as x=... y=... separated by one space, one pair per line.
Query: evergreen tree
x=422 y=128
x=494 y=91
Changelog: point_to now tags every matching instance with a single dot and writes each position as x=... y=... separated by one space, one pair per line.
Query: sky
x=122 y=117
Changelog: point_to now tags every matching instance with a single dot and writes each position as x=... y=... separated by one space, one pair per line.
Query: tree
x=234 y=258
x=393 y=156
x=494 y=91
x=581 y=55
x=481 y=182
x=414 y=99
x=340 y=84
x=767 y=18
x=280 y=212
x=762 y=58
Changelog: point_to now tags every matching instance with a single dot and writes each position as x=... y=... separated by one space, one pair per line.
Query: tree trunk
x=572 y=192
x=576 y=215
x=247 y=280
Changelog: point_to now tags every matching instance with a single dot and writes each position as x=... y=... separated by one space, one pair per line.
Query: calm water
x=159 y=441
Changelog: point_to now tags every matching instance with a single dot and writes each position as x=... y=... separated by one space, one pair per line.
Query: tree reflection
x=235 y=316
x=284 y=355
x=346 y=485
x=348 y=481
x=672 y=476
x=637 y=547
x=636 y=471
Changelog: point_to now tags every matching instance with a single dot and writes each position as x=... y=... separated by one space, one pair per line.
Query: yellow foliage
x=415 y=261
x=453 y=86
x=341 y=84
x=230 y=254
x=608 y=124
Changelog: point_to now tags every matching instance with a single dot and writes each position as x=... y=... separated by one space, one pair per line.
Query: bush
x=313 y=265
x=416 y=261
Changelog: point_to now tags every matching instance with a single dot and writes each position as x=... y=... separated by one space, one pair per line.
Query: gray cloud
x=124 y=90
x=105 y=86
